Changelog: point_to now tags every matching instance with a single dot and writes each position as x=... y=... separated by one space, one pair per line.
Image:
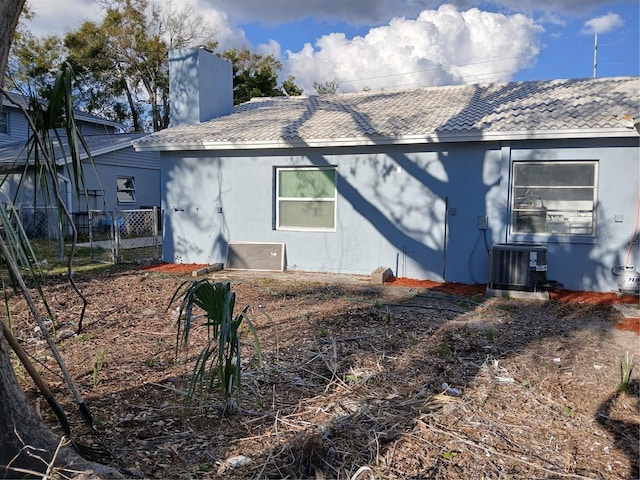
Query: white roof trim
x=401 y=140
x=95 y=153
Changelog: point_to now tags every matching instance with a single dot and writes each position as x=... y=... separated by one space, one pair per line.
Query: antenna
x=595 y=55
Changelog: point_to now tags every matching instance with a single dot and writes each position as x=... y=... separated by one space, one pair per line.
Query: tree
x=139 y=35
x=256 y=75
x=105 y=90
x=9 y=15
x=31 y=68
x=328 y=87
x=290 y=88
x=123 y=61
x=23 y=435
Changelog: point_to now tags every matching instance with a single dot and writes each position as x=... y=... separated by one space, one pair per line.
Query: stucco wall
x=391 y=209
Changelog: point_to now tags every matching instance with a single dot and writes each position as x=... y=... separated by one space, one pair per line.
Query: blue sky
x=384 y=44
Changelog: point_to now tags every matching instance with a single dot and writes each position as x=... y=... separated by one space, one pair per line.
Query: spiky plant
x=625 y=369
x=219 y=362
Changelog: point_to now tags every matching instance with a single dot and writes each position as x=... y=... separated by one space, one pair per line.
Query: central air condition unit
x=517 y=267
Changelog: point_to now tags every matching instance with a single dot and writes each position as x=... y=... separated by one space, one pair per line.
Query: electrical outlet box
x=482 y=223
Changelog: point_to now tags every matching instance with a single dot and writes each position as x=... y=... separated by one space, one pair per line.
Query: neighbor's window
x=4 y=122
x=555 y=198
x=306 y=199
x=126 y=190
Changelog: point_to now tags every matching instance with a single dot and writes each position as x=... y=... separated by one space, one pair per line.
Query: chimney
x=200 y=86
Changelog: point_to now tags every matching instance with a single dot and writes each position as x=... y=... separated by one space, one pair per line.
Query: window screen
x=554 y=198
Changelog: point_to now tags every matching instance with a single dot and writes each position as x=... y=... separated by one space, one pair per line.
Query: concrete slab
x=543 y=296
x=628 y=310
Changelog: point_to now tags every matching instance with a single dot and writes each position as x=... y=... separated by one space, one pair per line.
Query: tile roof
x=462 y=112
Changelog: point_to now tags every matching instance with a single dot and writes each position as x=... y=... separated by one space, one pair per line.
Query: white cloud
x=603 y=24
x=441 y=46
x=227 y=34
x=60 y=16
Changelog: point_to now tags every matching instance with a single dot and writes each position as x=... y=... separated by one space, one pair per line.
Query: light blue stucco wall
x=391 y=208
x=587 y=265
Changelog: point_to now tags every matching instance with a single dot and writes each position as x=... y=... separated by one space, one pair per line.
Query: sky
x=391 y=44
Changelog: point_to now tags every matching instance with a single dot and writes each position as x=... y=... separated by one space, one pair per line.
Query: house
x=119 y=179
x=425 y=181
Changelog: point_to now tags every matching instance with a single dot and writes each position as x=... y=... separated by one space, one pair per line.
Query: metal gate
x=125 y=235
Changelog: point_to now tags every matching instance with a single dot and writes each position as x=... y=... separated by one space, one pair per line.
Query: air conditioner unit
x=517 y=267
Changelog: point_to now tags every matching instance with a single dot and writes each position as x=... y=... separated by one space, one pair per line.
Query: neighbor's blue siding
x=18 y=128
x=391 y=208
x=143 y=166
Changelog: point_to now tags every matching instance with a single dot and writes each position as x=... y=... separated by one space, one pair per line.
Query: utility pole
x=595 y=55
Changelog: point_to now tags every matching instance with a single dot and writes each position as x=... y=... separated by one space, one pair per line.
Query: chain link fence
x=41 y=222
x=117 y=236
x=122 y=236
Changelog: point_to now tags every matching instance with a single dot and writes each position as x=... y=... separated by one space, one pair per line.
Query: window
x=4 y=122
x=554 y=198
x=126 y=190
x=306 y=199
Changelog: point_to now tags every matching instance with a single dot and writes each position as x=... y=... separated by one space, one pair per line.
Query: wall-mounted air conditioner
x=517 y=267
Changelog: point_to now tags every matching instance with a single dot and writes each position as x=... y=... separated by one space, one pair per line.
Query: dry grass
x=353 y=387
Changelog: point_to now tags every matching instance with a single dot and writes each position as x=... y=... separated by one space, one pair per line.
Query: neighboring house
x=122 y=179
x=423 y=181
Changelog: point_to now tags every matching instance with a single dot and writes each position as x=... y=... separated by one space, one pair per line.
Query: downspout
x=505 y=160
x=444 y=244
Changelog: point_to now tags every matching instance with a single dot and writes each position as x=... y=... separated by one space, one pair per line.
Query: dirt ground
x=355 y=380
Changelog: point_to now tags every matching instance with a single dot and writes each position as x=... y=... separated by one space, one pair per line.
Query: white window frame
x=123 y=189
x=560 y=221
x=279 y=199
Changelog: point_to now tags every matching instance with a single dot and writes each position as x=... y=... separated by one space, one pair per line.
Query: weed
x=83 y=337
x=351 y=378
x=490 y=333
x=98 y=363
x=444 y=351
x=150 y=362
x=340 y=321
x=624 y=370
x=449 y=455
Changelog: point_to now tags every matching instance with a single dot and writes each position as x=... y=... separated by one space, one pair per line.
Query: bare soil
x=353 y=385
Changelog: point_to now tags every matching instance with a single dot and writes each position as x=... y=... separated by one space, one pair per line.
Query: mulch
x=355 y=382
